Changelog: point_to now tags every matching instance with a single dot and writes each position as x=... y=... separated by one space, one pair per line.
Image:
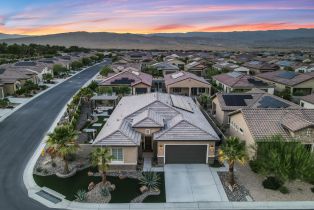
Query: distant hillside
x=281 y=39
x=10 y=36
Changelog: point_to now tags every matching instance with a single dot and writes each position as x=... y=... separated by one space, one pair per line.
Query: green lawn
x=126 y=189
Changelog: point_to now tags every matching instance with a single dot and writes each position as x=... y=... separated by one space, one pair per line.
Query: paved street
x=21 y=133
x=190 y=183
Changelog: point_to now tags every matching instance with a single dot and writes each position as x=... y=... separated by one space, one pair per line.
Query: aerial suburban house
x=174 y=61
x=307 y=101
x=139 y=82
x=196 y=68
x=298 y=84
x=118 y=67
x=242 y=70
x=185 y=83
x=257 y=67
x=166 y=68
x=305 y=69
x=38 y=68
x=225 y=103
x=13 y=78
x=252 y=125
x=238 y=82
x=170 y=127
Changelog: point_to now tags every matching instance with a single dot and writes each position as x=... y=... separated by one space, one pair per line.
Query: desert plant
x=272 y=183
x=254 y=165
x=232 y=151
x=105 y=191
x=101 y=157
x=284 y=190
x=150 y=179
x=81 y=195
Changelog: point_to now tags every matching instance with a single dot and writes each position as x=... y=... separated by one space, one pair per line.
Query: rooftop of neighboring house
x=260 y=65
x=252 y=99
x=168 y=112
x=225 y=65
x=195 y=65
x=308 y=98
x=33 y=66
x=128 y=77
x=182 y=75
x=286 y=77
x=237 y=79
x=268 y=122
x=117 y=67
x=9 y=74
x=165 y=66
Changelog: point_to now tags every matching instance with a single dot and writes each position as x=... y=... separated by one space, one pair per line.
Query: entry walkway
x=191 y=183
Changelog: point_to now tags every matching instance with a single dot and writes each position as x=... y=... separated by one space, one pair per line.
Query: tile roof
x=188 y=125
x=268 y=122
x=286 y=77
x=148 y=118
x=238 y=80
x=308 y=98
x=165 y=66
x=258 y=99
x=182 y=75
x=135 y=77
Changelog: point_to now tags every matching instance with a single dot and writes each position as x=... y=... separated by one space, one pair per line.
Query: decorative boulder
x=143 y=189
x=91 y=186
x=112 y=187
x=90 y=173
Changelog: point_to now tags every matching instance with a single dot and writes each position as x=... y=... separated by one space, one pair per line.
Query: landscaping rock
x=141 y=198
x=95 y=196
x=72 y=173
x=143 y=189
x=90 y=173
x=91 y=186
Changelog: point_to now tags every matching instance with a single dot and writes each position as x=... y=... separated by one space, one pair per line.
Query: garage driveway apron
x=190 y=183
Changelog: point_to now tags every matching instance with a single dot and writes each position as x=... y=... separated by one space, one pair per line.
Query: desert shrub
x=81 y=195
x=255 y=166
x=216 y=164
x=284 y=190
x=272 y=183
x=39 y=169
x=312 y=189
x=45 y=171
x=105 y=191
x=150 y=179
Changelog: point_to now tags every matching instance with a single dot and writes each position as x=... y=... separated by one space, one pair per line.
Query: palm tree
x=63 y=141
x=101 y=157
x=233 y=150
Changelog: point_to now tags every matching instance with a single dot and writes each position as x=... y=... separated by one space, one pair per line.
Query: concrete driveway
x=192 y=183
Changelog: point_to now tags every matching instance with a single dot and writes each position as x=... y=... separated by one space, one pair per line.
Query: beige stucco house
x=185 y=83
x=252 y=125
x=307 y=101
x=170 y=127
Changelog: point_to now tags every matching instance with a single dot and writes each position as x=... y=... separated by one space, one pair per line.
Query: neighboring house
x=298 y=84
x=305 y=69
x=242 y=70
x=116 y=67
x=257 y=67
x=166 y=68
x=185 y=83
x=196 y=68
x=285 y=64
x=38 y=68
x=174 y=61
x=225 y=66
x=307 y=101
x=13 y=79
x=225 y=103
x=237 y=82
x=252 y=125
x=139 y=82
x=171 y=127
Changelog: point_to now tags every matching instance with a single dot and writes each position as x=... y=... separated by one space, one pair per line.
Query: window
x=177 y=90
x=302 y=104
x=117 y=154
x=147 y=131
x=201 y=90
x=308 y=132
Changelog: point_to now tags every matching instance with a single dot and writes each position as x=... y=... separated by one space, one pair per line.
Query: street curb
x=42 y=92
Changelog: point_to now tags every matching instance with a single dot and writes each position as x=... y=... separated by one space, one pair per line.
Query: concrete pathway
x=191 y=183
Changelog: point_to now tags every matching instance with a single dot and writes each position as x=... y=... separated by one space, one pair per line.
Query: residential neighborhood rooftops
x=165 y=66
x=237 y=79
x=180 y=76
x=286 y=77
x=128 y=77
x=158 y=108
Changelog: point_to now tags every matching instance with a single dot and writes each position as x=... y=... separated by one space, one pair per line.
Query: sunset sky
x=35 y=17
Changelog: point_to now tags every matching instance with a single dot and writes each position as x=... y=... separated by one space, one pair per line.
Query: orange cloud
x=173 y=27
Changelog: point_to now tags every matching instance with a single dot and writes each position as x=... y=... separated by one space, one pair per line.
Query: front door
x=148 y=144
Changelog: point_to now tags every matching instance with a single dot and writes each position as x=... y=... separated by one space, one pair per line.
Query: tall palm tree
x=233 y=150
x=101 y=157
x=63 y=141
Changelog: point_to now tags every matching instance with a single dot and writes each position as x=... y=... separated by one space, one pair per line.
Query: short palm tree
x=233 y=150
x=63 y=141
x=101 y=157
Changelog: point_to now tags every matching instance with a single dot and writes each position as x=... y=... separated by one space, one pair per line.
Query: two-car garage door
x=185 y=154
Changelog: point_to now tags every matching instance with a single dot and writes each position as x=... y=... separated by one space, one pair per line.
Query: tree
x=105 y=71
x=233 y=150
x=4 y=103
x=75 y=65
x=86 y=93
x=93 y=86
x=59 y=70
x=204 y=100
x=122 y=90
x=63 y=141
x=47 y=77
x=86 y=61
x=101 y=158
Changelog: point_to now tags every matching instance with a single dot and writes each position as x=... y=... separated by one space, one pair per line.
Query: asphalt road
x=21 y=133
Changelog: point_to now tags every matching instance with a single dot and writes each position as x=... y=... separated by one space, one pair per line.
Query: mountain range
x=246 y=40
